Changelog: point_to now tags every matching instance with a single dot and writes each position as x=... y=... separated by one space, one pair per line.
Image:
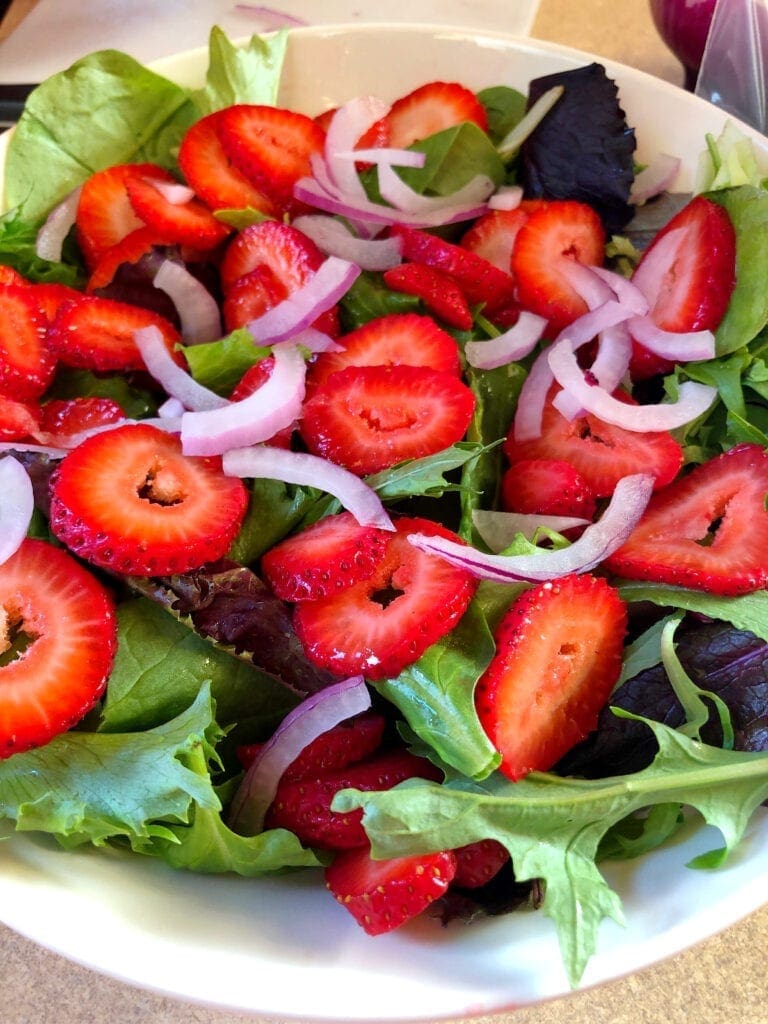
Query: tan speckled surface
x=721 y=980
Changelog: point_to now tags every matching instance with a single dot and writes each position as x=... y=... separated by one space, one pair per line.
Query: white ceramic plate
x=282 y=947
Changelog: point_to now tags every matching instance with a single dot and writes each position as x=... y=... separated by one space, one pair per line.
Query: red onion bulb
x=683 y=25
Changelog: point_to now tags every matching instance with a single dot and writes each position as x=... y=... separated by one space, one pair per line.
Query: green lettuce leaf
x=241 y=74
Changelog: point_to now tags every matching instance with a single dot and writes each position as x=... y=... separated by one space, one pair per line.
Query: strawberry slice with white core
x=58 y=637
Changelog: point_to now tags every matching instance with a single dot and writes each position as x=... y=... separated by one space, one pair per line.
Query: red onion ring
x=596 y=543
x=334 y=238
x=679 y=347
x=499 y=529
x=653 y=267
x=175 y=381
x=198 y=310
x=173 y=192
x=16 y=506
x=348 y=124
x=654 y=179
x=508 y=197
x=262 y=463
x=402 y=197
x=627 y=293
x=273 y=406
x=509 y=347
x=50 y=237
x=313 y=717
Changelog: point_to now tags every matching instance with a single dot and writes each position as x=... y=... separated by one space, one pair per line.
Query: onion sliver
x=262 y=463
x=402 y=196
x=50 y=237
x=499 y=529
x=508 y=197
x=693 y=400
x=16 y=506
x=596 y=543
x=655 y=178
x=271 y=407
x=679 y=347
x=173 y=192
x=197 y=308
x=313 y=717
x=626 y=291
x=334 y=238
x=348 y=124
x=512 y=345
x=588 y=285
x=177 y=382
x=330 y=282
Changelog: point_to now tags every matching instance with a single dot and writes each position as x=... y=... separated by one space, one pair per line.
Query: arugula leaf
x=553 y=826
x=241 y=74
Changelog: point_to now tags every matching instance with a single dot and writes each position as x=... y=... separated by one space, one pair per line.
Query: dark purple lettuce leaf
x=40 y=467
x=729 y=662
x=583 y=149
x=501 y=895
x=230 y=605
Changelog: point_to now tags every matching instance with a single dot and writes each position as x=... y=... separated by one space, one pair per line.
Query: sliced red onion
x=50 y=237
x=510 y=144
x=334 y=238
x=608 y=369
x=509 y=347
x=508 y=197
x=655 y=178
x=176 y=382
x=395 y=191
x=263 y=463
x=499 y=529
x=348 y=124
x=273 y=406
x=679 y=347
x=330 y=282
x=171 y=408
x=626 y=291
x=16 y=506
x=384 y=155
x=588 y=285
x=653 y=268
x=173 y=192
x=694 y=399
x=596 y=543
x=198 y=310
x=313 y=717
x=532 y=399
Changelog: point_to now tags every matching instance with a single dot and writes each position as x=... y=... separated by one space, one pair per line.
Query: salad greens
x=152 y=768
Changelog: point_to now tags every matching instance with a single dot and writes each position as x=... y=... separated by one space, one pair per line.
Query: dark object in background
x=583 y=149
x=12 y=99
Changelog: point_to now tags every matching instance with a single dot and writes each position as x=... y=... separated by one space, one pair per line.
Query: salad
x=380 y=497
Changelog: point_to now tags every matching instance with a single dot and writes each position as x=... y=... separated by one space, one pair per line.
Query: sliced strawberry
x=209 y=171
x=10 y=276
x=394 y=340
x=93 y=333
x=130 y=249
x=251 y=295
x=377 y=136
x=304 y=806
x=368 y=418
x=436 y=290
x=27 y=363
x=58 y=636
x=288 y=253
x=104 y=212
x=707 y=530
x=477 y=863
x=190 y=223
x=327 y=557
x=18 y=420
x=340 y=746
x=251 y=381
x=129 y=501
x=51 y=296
x=547 y=487
x=387 y=621
x=559 y=230
x=432 y=108
x=493 y=235
x=558 y=656
x=600 y=452
x=271 y=146
x=690 y=287
x=61 y=418
x=479 y=280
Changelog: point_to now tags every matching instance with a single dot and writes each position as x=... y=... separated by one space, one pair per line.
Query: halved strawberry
x=600 y=452
x=58 y=637
x=431 y=108
x=130 y=249
x=548 y=487
x=288 y=253
x=558 y=656
x=8 y=275
x=387 y=621
x=349 y=741
x=304 y=806
x=51 y=296
x=479 y=280
x=18 y=420
x=271 y=146
x=93 y=333
x=104 y=212
x=556 y=231
x=62 y=417
x=190 y=223
x=707 y=530
x=27 y=364
x=383 y=894
x=368 y=418
x=437 y=291
x=477 y=863
x=689 y=285
x=493 y=235
x=128 y=500
x=250 y=296
x=327 y=557
x=209 y=171
x=393 y=340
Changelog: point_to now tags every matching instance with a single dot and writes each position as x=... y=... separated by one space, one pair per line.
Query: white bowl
x=281 y=946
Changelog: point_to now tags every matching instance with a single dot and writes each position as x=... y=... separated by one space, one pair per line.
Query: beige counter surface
x=721 y=980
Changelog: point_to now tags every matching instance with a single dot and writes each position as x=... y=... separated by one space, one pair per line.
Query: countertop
x=721 y=979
